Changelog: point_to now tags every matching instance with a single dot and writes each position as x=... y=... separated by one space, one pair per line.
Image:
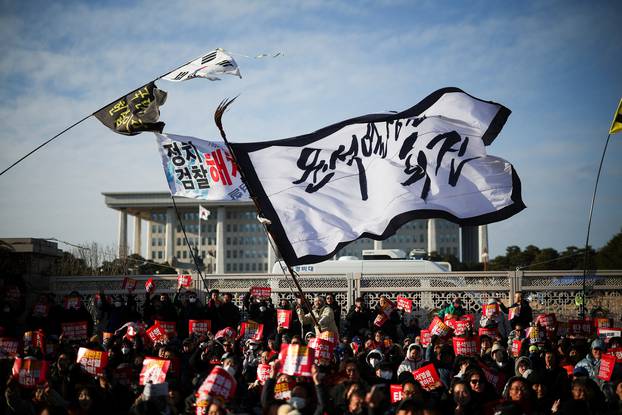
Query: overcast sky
x=557 y=65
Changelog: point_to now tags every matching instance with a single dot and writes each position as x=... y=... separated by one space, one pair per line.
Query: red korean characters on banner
x=438 y=328
x=154 y=370
x=427 y=376
x=218 y=384
x=169 y=327
x=227 y=332
x=184 y=281
x=251 y=330
x=129 y=284
x=425 y=337
x=199 y=326
x=156 y=334
x=29 y=372
x=405 y=304
x=263 y=373
x=460 y=327
x=75 y=331
x=92 y=361
x=8 y=347
x=466 y=346
x=396 y=393
x=283 y=389
x=284 y=318
x=261 y=292
x=607 y=362
x=323 y=349
x=516 y=347
x=296 y=360
x=490 y=310
x=149 y=285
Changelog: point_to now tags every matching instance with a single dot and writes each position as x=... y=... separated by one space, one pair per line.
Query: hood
x=518 y=361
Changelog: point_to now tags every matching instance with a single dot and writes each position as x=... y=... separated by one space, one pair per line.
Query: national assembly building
x=232 y=240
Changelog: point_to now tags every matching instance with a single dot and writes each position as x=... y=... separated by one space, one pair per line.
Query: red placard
x=75 y=331
x=154 y=370
x=380 y=320
x=460 y=327
x=283 y=389
x=488 y=331
x=330 y=337
x=169 y=327
x=466 y=346
x=34 y=339
x=617 y=352
x=227 y=332
x=261 y=292
x=251 y=330
x=129 y=284
x=602 y=322
x=388 y=308
x=405 y=304
x=8 y=347
x=438 y=328
x=468 y=317
x=427 y=376
x=608 y=333
x=156 y=334
x=29 y=372
x=516 y=347
x=490 y=310
x=536 y=334
x=296 y=360
x=92 y=361
x=149 y=285
x=580 y=327
x=547 y=321
x=263 y=373
x=323 y=349
x=396 y=393
x=284 y=318
x=425 y=337
x=184 y=280
x=607 y=362
x=513 y=312
x=218 y=384
x=199 y=326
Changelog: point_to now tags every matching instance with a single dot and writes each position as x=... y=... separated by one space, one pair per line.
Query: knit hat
x=497 y=346
x=153 y=390
x=599 y=344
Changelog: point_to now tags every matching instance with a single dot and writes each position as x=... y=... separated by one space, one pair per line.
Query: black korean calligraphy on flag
x=367 y=176
x=200 y=169
x=136 y=112
x=210 y=66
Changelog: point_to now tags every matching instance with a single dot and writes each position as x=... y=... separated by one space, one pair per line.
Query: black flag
x=136 y=112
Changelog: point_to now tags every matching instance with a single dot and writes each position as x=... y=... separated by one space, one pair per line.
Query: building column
x=220 y=240
x=122 y=233
x=377 y=244
x=482 y=242
x=271 y=255
x=169 y=240
x=149 y=241
x=432 y=236
x=137 y=235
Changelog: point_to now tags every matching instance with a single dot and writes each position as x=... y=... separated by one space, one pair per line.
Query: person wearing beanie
x=591 y=362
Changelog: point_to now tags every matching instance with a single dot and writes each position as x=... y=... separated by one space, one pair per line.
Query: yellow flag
x=616 y=125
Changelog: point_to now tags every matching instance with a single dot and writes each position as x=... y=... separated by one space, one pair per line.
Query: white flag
x=200 y=169
x=367 y=176
x=210 y=66
x=203 y=213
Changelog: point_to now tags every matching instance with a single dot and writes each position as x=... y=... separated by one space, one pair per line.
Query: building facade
x=232 y=240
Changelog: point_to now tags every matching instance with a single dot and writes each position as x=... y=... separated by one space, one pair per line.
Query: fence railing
x=548 y=291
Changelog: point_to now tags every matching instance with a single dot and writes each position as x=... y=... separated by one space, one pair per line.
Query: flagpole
x=218 y=119
x=589 y=225
x=199 y=251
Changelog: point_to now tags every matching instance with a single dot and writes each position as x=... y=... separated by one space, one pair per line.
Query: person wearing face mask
x=116 y=313
x=188 y=307
x=384 y=374
x=500 y=361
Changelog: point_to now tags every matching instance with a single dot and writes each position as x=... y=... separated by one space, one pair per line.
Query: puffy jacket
x=325 y=319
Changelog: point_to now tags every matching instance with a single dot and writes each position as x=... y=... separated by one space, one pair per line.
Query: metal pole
x=589 y=225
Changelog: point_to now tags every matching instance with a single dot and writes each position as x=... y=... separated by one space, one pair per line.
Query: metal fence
x=548 y=291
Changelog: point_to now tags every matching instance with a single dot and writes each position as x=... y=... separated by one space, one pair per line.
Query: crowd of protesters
x=371 y=368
